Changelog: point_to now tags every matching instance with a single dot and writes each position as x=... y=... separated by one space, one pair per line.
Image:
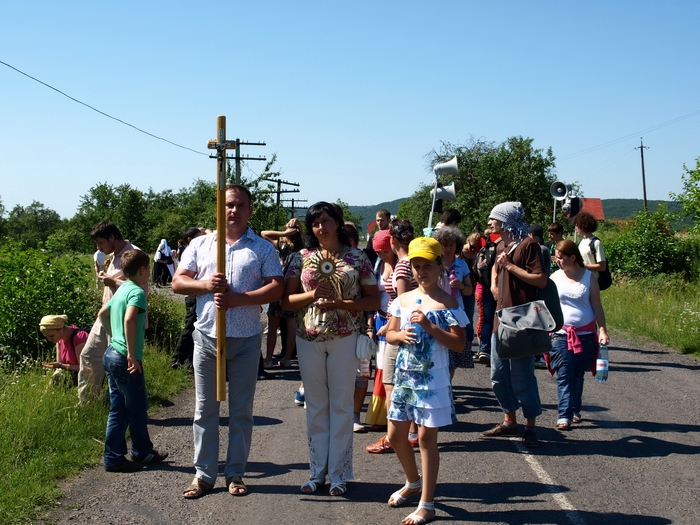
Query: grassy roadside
x=47 y=437
x=666 y=310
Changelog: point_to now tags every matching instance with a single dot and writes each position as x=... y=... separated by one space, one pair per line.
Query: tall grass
x=663 y=308
x=47 y=436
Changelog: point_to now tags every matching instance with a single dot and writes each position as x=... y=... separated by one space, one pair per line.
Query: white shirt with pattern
x=249 y=261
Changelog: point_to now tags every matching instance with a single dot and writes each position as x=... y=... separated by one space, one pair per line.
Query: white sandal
x=313 y=484
x=397 y=499
x=420 y=520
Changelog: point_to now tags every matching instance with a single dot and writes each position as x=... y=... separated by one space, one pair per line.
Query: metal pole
x=432 y=206
x=554 y=213
x=221 y=255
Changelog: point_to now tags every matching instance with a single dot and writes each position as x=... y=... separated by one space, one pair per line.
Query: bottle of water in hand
x=601 y=365
x=453 y=291
x=417 y=329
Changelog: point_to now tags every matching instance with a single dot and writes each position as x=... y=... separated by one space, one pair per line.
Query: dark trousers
x=184 y=350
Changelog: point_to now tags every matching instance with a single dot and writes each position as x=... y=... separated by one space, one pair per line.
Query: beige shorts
x=390 y=352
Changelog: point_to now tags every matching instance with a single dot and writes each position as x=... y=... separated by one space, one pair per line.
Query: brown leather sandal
x=236 y=487
x=197 y=489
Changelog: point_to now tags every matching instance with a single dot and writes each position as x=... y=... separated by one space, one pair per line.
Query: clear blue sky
x=350 y=95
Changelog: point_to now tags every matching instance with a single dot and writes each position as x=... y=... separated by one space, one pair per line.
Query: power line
x=630 y=136
x=102 y=112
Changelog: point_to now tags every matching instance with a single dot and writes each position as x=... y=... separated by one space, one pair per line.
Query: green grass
x=47 y=437
x=663 y=309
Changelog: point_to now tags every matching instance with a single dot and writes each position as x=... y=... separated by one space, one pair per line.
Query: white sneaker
x=359 y=428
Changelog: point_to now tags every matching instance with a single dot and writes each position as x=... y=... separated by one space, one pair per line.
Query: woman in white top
x=575 y=346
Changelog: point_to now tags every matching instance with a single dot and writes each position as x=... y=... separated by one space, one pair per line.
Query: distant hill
x=368 y=212
x=613 y=208
x=624 y=208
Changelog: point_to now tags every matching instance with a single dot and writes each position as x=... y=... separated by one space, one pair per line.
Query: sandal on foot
x=420 y=520
x=236 y=487
x=197 y=489
x=576 y=419
x=397 y=498
x=311 y=486
x=286 y=363
x=338 y=489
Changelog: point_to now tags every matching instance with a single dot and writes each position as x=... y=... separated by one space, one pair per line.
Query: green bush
x=166 y=318
x=34 y=284
x=647 y=246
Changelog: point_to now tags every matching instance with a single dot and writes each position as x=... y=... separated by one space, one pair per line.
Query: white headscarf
x=164 y=248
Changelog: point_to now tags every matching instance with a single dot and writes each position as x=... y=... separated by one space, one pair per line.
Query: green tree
x=349 y=216
x=689 y=198
x=489 y=173
x=31 y=226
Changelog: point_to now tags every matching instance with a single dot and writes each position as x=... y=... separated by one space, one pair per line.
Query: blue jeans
x=469 y=304
x=514 y=383
x=242 y=356
x=128 y=408
x=489 y=304
x=571 y=369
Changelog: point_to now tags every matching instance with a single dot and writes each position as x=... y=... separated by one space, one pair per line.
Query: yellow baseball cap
x=425 y=247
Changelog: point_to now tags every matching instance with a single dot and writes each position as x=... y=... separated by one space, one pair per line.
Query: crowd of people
x=415 y=296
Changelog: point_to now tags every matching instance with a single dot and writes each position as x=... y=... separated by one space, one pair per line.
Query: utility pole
x=279 y=191
x=238 y=158
x=641 y=149
x=293 y=208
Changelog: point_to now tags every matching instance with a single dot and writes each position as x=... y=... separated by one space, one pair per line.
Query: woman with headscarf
x=515 y=278
x=69 y=341
x=163 y=270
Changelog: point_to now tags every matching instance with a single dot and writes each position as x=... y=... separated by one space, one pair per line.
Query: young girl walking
x=425 y=323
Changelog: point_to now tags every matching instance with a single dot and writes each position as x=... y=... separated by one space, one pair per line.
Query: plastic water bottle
x=417 y=329
x=601 y=365
x=454 y=291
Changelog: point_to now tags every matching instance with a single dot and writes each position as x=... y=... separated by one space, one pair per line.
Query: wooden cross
x=221 y=145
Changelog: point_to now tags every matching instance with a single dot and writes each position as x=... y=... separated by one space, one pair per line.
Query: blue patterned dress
x=422 y=389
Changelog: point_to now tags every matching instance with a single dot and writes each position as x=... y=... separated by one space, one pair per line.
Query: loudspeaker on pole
x=446 y=168
x=446 y=193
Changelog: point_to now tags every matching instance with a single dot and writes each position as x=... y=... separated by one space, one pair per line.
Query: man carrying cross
x=253 y=277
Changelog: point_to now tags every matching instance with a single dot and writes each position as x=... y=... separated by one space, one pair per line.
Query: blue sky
x=351 y=96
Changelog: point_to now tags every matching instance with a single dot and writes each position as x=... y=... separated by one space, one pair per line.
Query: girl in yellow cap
x=69 y=341
x=425 y=323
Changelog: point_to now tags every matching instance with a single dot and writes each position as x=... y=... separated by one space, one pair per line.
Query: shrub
x=166 y=317
x=35 y=284
x=647 y=246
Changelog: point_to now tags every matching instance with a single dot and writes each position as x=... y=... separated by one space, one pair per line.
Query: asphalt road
x=634 y=460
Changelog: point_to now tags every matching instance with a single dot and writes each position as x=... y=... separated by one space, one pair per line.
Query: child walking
x=124 y=319
x=425 y=323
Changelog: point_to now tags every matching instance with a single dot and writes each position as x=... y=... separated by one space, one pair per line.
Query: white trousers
x=328 y=371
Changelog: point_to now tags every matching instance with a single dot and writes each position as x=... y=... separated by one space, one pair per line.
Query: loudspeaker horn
x=446 y=168
x=559 y=190
x=446 y=193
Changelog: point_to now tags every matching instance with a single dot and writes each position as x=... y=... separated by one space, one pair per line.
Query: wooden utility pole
x=279 y=191
x=641 y=149
x=221 y=145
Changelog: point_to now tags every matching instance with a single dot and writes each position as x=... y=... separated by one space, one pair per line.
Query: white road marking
x=563 y=502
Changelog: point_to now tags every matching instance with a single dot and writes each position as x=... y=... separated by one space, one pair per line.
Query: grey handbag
x=523 y=330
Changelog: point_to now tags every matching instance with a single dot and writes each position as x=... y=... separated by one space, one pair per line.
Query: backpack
x=483 y=262
x=604 y=277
